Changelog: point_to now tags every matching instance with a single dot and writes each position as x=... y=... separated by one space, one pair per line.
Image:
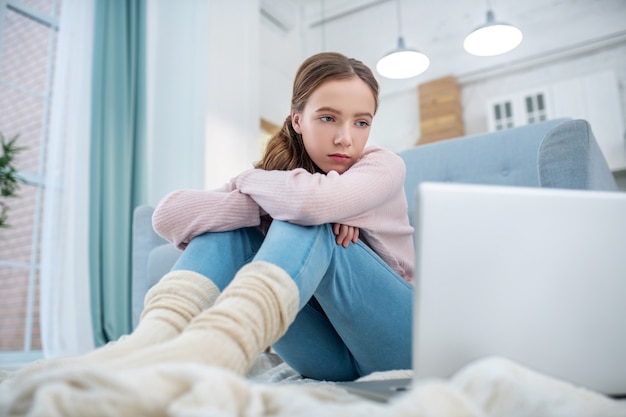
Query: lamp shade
x=493 y=38
x=402 y=63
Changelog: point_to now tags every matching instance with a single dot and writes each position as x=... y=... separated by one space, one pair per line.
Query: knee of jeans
x=200 y=240
x=287 y=227
x=244 y=239
x=204 y=241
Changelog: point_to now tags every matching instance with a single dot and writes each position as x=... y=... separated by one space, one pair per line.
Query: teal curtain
x=117 y=167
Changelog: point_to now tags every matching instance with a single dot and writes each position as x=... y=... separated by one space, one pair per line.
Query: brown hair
x=285 y=150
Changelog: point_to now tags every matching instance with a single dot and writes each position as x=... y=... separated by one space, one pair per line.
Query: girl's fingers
x=345 y=234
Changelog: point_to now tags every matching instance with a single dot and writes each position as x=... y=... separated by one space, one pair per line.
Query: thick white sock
x=251 y=313
x=169 y=306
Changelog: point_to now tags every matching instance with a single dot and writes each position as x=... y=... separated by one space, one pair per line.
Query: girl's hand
x=345 y=234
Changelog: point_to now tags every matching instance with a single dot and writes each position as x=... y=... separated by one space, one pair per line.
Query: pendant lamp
x=402 y=62
x=492 y=38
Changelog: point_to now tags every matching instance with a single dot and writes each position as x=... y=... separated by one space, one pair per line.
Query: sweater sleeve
x=184 y=214
x=303 y=198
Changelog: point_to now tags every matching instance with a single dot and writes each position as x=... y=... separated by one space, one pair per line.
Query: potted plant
x=9 y=179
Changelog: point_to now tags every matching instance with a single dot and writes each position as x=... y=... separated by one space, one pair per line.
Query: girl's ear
x=295 y=122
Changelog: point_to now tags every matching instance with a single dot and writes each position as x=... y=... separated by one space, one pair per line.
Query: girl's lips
x=339 y=157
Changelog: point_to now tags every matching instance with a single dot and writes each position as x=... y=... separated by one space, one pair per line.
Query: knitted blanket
x=489 y=387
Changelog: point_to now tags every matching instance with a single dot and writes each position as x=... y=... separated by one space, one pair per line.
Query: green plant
x=9 y=179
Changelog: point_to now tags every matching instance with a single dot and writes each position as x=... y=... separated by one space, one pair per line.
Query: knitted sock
x=251 y=313
x=168 y=307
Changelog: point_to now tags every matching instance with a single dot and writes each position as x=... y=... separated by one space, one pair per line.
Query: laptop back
x=534 y=275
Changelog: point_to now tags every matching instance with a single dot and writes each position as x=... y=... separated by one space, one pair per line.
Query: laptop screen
x=534 y=275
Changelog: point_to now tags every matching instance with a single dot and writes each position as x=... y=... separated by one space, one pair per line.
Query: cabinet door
x=500 y=114
x=595 y=98
x=518 y=109
x=535 y=107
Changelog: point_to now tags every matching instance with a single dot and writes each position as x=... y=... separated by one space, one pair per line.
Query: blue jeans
x=355 y=312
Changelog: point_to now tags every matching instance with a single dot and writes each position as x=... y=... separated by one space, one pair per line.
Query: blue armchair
x=559 y=153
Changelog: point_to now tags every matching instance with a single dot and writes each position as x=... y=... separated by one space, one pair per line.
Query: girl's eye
x=362 y=123
x=326 y=118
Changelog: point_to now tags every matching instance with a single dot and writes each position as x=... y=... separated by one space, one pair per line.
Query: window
x=503 y=115
x=517 y=110
x=28 y=33
x=535 y=108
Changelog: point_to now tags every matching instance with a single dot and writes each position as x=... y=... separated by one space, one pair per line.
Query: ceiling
x=367 y=29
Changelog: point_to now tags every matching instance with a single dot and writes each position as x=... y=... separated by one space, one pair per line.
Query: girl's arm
x=185 y=214
x=310 y=199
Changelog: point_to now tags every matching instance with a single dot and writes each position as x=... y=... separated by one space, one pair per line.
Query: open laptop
x=534 y=275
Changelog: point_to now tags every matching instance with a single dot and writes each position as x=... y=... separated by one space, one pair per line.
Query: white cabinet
x=518 y=109
x=594 y=97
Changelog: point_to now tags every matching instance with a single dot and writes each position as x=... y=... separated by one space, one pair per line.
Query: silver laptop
x=534 y=275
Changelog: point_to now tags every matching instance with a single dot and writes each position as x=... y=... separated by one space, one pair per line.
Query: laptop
x=531 y=274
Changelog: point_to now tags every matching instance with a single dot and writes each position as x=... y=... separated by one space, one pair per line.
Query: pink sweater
x=369 y=195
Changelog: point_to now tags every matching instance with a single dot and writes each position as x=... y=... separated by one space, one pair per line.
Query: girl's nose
x=344 y=137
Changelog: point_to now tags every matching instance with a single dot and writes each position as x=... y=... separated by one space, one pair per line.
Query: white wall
x=396 y=124
x=278 y=86
x=203 y=93
x=232 y=123
x=177 y=65
x=276 y=77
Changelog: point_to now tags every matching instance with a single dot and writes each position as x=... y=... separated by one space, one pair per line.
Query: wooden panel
x=439 y=96
x=441 y=113
x=445 y=108
x=269 y=127
x=448 y=83
x=440 y=122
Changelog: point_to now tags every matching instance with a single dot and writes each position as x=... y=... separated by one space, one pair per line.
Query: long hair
x=285 y=150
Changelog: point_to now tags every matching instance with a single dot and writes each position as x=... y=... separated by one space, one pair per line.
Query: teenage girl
x=310 y=252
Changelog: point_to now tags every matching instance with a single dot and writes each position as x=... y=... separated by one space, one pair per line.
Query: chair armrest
x=144 y=240
x=160 y=261
x=570 y=157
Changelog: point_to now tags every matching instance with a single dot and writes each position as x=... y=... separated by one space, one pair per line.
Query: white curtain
x=65 y=308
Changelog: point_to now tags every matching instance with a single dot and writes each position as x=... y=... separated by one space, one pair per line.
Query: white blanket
x=490 y=387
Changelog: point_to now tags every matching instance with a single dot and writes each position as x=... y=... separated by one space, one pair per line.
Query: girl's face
x=335 y=123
